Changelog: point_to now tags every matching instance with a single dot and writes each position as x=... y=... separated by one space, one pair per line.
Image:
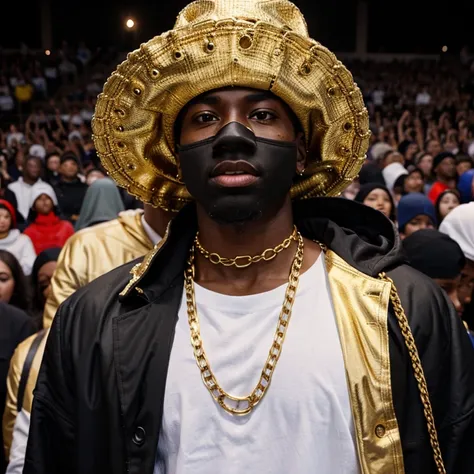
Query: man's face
x=433 y=147
x=417 y=223
x=447 y=168
x=43 y=205
x=33 y=169
x=462 y=167
x=69 y=169
x=239 y=152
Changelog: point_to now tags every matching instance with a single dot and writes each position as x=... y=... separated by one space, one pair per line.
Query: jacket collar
x=361 y=236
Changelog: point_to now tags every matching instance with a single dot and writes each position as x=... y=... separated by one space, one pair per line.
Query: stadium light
x=130 y=23
x=444 y=49
x=47 y=52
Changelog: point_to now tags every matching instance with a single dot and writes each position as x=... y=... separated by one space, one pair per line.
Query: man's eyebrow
x=260 y=96
x=207 y=99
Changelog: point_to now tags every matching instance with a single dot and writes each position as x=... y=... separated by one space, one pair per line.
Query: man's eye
x=206 y=117
x=263 y=115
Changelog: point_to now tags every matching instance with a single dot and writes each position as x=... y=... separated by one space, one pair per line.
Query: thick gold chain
x=418 y=372
x=241 y=405
x=243 y=261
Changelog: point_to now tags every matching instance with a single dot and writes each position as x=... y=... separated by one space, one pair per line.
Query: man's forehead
x=229 y=94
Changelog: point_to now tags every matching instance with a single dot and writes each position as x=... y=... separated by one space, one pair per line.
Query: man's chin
x=234 y=216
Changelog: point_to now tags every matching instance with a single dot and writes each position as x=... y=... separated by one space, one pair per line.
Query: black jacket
x=70 y=197
x=15 y=326
x=99 y=399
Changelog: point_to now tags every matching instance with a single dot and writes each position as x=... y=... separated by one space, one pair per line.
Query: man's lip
x=235 y=180
x=241 y=166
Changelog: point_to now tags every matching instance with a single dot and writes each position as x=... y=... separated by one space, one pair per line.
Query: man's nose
x=234 y=138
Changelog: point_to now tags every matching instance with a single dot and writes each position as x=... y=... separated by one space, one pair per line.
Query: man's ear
x=302 y=153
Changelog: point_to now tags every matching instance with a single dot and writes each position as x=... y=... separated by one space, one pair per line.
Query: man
x=23 y=187
x=415 y=212
x=70 y=189
x=87 y=255
x=444 y=167
x=123 y=388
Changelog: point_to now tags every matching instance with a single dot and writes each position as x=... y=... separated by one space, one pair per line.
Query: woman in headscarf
x=102 y=203
x=12 y=240
x=46 y=230
x=446 y=202
x=377 y=196
x=43 y=270
x=466 y=186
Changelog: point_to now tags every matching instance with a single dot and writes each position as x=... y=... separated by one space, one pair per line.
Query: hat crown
x=280 y=13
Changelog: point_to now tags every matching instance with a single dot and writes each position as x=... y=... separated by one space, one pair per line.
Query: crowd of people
x=419 y=173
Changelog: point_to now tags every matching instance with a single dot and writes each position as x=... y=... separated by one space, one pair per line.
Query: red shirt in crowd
x=437 y=188
x=48 y=231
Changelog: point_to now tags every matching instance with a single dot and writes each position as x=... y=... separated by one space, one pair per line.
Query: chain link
x=241 y=405
x=418 y=372
x=243 y=261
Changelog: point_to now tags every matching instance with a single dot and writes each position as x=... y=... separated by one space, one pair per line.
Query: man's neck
x=65 y=179
x=451 y=182
x=30 y=181
x=251 y=239
x=157 y=218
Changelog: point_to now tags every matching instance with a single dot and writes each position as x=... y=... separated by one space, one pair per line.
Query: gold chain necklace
x=243 y=261
x=241 y=405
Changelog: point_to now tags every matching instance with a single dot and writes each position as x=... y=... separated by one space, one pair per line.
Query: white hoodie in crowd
x=21 y=247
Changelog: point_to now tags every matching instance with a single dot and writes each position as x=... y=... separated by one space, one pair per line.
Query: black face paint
x=272 y=161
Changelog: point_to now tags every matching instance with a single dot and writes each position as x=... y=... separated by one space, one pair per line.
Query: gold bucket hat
x=260 y=44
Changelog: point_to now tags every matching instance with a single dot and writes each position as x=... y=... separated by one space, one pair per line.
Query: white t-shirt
x=302 y=425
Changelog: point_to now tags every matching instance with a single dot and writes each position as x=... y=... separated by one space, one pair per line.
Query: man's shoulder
x=98 y=232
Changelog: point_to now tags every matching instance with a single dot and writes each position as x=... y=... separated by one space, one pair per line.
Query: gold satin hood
x=260 y=44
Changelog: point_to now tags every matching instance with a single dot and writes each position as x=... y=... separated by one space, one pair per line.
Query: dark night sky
x=397 y=26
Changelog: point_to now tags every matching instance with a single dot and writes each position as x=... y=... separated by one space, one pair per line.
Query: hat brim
x=134 y=119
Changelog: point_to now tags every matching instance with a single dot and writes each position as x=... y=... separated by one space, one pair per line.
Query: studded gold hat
x=261 y=44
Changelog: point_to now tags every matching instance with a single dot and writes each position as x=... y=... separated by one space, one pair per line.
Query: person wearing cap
x=46 y=229
x=70 y=190
x=440 y=258
x=268 y=307
x=415 y=212
x=12 y=240
x=377 y=197
x=24 y=186
x=444 y=168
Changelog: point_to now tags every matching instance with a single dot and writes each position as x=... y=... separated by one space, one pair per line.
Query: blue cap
x=465 y=186
x=412 y=205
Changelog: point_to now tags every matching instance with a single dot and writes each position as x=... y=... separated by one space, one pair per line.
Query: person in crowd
x=444 y=167
x=446 y=202
x=466 y=186
x=46 y=229
x=459 y=225
x=12 y=240
x=102 y=203
x=371 y=173
x=70 y=190
x=41 y=276
x=52 y=164
x=409 y=183
x=433 y=147
x=90 y=253
x=439 y=257
x=15 y=326
x=352 y=190
x=391 y=157
x=424 y=161
x=463 y=163
x=378 y=197
x=14 y=288
x=415 y=212
x=244 y=174
x=93 y=175
x=392 y=172
x=23 y=187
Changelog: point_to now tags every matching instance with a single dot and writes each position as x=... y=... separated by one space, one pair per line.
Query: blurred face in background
x=32 y=169
x=433 y=147
x=426 y=164
x=392 y=157
x=43 y=205
x=69 y=169
x=447 y=168
x=447 y=203
x=414 y=182
x=94 y=176
x=7 y=283
x=351 y=191
x=466 y=286
x=378 y=199
x=417 y=223
x=53 y=163
x=462 y=167
x=45 y=274
x=5 y=221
